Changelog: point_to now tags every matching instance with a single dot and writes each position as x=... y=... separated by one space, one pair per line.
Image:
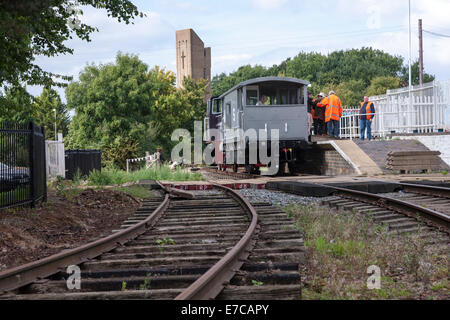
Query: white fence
x=55 y=158
x=427 y=111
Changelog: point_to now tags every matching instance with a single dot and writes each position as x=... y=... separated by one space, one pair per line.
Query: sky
x=263 y=32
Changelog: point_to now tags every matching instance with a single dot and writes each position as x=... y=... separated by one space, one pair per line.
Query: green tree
x=111 y=102
x=222 y=83
x=41 y=27
x=126 y=109
x=305 y=66
x=362 y=64
x=415 y=74
x=348 y=72
x=380 y=85
x=44 y=115
x=178 y=109
x=16 y=105
x=350 y=92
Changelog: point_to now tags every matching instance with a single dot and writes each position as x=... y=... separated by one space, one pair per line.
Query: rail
x=213 y=281
x=20 y=276
x=428 y=216
x=426 y=190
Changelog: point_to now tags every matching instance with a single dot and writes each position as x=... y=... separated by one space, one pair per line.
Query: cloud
x=268 y=4
x=434 y=14
x=150 y=36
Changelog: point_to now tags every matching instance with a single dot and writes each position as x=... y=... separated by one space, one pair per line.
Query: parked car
x=11 y=178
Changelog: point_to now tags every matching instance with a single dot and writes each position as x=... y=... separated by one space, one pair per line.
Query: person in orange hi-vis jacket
x=333 y=113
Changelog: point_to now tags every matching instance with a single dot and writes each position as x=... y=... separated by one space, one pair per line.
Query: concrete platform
x=355 y=156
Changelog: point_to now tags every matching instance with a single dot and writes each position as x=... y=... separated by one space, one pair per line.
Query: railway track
x=230 y=175
x=227 y=175
x=418 y=208
x=177 y=247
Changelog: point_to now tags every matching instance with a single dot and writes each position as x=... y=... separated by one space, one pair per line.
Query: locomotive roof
x=265 y=79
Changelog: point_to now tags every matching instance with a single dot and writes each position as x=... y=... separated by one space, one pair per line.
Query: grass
x=342 y=245
x=136 y=191
x=117 y=177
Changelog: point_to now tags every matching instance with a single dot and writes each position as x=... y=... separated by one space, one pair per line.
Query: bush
x=117 y=177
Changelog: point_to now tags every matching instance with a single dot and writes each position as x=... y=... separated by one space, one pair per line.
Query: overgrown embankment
x=343 y=245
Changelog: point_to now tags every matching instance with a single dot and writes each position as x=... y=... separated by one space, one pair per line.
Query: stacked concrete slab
x=414 y=161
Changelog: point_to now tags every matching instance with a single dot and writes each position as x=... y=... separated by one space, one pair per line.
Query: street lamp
x=55 y=124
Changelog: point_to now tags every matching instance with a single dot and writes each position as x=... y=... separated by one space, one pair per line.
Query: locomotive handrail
x=213 y=281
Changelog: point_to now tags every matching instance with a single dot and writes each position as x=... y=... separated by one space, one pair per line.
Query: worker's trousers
x=333 y=128
x=364 y=125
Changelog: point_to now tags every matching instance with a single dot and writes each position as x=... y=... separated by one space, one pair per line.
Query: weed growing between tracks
x=342 y=245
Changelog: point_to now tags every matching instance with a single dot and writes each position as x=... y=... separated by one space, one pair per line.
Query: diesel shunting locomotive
x=267 y=103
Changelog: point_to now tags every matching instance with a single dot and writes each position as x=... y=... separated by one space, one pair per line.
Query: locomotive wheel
x=291 y=168
x=251 y=169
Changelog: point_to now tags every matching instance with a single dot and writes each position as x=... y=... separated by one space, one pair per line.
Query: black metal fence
x=22 y=165
x=82 y=161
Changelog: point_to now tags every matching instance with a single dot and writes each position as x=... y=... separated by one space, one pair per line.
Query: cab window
x=276 y=93
x=217 y=106
x=252 y=95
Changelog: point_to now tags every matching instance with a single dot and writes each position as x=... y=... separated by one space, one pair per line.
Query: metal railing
x=427 y=111
x=83 y=162
x=22 y=165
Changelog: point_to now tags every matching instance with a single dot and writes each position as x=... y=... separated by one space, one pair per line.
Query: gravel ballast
x=278 y=198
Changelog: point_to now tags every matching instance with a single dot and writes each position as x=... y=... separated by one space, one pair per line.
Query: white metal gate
x=427 y=111
x=55 y=158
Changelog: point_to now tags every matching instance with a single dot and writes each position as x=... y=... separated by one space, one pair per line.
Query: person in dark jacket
x=319 y=113
x=367 y=113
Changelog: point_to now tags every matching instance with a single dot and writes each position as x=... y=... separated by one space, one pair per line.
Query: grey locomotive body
x=243 y=109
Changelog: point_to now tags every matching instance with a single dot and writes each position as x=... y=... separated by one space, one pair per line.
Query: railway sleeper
x=163 y=294
x=152 y=262
x=163 y=253
x=266 y=278
x=148 y=282
x=224 y=235
x=208 y=240
x=297 y=257
x=204 y=229
x=269 y=292
x=223 y=225
x=199 y=222
x=175 y=247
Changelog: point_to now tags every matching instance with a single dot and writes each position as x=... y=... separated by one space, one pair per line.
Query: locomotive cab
x=262 y=105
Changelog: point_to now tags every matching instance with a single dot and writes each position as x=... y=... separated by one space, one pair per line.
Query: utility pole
x=420 y=53
x=409 y=117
